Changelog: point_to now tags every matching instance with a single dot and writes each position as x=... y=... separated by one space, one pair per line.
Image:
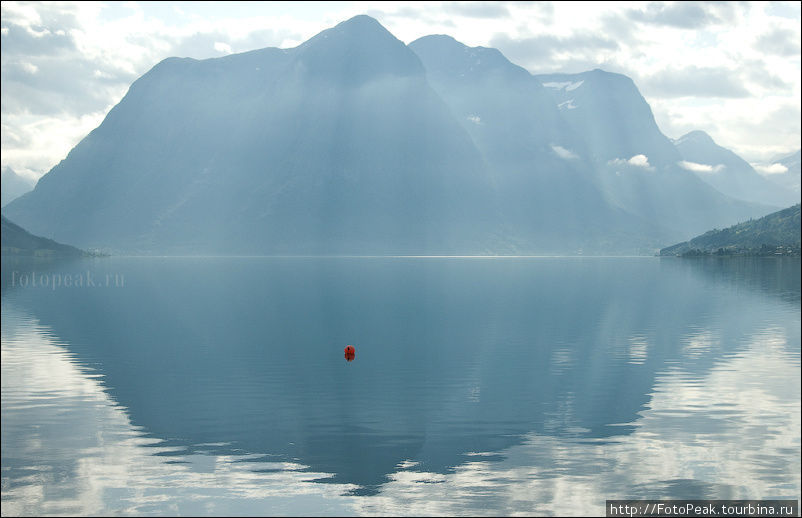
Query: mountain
x=15 y=240
x=610 y=114
x=637 y=167
x=336 y=146
x=354 y=143
x=775 y=234
x=538 y=162
x=790 y=179
x=728 y=172
x=12 y=185
x=792 y=162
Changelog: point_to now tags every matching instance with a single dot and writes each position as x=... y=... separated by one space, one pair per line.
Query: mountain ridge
x=16 y=241
x=775 y=234
x=247 y=154
x=727 y=172
x=13 y=185
x=348 y=143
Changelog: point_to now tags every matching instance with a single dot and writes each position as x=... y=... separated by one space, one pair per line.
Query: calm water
x=480 y=386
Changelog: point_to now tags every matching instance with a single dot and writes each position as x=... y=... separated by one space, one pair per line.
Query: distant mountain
x=790 y=179
x=728 y=172
x=637 y=167
x=539 y=163
x=353 y=143
x=15 y=240
x=13 y=185
x=611 y=115
x=336 y=146
x=775 y=234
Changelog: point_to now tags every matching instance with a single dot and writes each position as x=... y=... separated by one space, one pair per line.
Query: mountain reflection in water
x=483 y=386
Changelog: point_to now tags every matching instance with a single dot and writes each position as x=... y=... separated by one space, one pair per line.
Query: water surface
x=480 y=386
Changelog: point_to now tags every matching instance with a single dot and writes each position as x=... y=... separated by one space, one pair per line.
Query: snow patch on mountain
x=564 y=85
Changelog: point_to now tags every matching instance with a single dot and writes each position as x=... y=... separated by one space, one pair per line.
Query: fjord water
x=480 y=385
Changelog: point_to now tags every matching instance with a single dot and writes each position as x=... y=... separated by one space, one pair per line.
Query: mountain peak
x=361 y=28
x=787 y=157
x=597 y=76
x=438 y=39
x=444 y=54
x=696 y=136
x=361 y=22
x=356 y=50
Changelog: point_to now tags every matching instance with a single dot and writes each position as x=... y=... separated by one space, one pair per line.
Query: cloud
x=579 y=51
x=68 y=64
x=475 y=119
x=220 y=46
x=60 y=85
x=20 y=39
x=693 y=81
x=563 y=153
x=406 y=15
x=700 y=168
x=32 y=144
x=641 y=161
x=771 y=169
x=781 y=41
x=477 y=9
x=682 y=15
x=761 y=75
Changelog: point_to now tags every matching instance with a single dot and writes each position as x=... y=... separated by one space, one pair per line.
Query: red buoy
x=350 y=352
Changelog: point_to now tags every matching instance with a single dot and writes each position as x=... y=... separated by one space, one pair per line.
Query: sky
x=731 y=69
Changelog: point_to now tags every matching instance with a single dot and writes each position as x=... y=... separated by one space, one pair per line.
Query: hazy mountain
x=775 y=234
x=637 y=166
x=336 y=146
x=728 y=172
x=540 y=164
x=13 y=185
x=15 y=240
x=790 y=179
x=348 y=144
x=610 y=114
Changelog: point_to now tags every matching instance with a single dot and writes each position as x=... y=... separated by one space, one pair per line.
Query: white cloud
x=770 y=169
x=700 y=168
x=475 y=119
x=31 y=144
x=563 y=153
x=29 y=67
x=24 y=15
x=220 y=46
x=641 y=161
